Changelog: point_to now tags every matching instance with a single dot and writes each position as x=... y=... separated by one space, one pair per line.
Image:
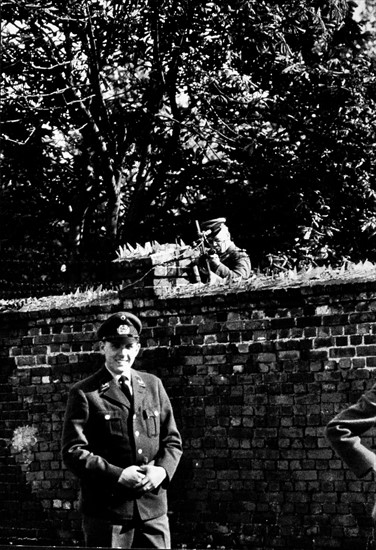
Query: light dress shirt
x=127 y=380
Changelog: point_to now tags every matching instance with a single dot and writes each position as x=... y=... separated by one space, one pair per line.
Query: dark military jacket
x=345 y=430
x=104 y=432
x=235 y=263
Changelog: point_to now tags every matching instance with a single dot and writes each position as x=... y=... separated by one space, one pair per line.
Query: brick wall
x=253 y=376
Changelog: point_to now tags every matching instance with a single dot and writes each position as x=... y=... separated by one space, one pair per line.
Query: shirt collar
x=116 y=377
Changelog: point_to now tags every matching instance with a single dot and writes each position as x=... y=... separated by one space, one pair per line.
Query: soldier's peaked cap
x=214 y=225
x=120 y=326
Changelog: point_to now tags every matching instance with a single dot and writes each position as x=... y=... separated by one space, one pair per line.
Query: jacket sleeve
x=170 y=445
x=76 y=453
x=345 y=430
x=241 y=267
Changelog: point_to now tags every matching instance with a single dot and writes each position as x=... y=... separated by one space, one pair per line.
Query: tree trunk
x=114 y=202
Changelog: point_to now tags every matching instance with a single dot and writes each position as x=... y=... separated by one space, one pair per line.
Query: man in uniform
x=344 y=433
x=120 y=439
x=222 y=260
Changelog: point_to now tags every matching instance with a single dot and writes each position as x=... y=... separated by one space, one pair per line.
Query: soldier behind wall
x=220 y=259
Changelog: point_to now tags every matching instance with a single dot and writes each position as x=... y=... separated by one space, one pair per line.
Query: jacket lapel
x=109 y=389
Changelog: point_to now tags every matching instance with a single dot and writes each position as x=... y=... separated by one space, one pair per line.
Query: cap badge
x=123 y=330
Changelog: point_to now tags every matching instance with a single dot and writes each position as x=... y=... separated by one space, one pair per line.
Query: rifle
x=201 y=245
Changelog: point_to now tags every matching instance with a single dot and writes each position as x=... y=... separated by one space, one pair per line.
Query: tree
x=147 y=114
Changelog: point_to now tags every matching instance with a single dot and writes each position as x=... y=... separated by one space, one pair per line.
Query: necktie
x=124 y=385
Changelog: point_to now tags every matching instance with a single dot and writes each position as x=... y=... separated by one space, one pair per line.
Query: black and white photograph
x=188 y=274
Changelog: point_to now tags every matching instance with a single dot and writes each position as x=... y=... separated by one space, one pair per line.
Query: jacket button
x=136 y=433
x=107 y=417
x=139 y=451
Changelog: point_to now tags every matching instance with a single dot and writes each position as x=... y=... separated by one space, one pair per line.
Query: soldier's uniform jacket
x=345 y=430
x=235 y=263
x=105 y=431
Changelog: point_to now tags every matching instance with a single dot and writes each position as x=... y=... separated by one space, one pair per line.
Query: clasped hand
x=143 y=478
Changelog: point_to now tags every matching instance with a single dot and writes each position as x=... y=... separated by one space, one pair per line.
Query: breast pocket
x=152 y=420
x=112 y=422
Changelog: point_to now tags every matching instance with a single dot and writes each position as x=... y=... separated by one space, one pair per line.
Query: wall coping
x=296 y=293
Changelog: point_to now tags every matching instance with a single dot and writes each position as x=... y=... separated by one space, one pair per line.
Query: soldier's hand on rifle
x=213 y=260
